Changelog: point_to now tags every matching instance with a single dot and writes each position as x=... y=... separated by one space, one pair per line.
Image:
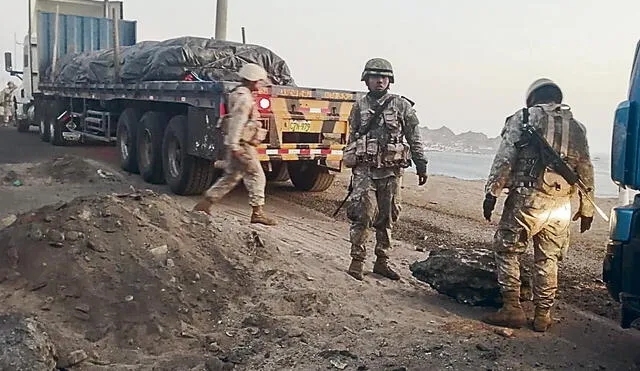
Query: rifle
x=346 y=198
x=553 y=159
x=372 y=121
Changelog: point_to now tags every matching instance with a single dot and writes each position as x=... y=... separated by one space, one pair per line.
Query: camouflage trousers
x=374 y=202
x=247 y=170
x=7 y=114
x=533 y=215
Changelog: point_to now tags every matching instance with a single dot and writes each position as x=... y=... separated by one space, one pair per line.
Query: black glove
x=488 y=205
x=421 y=170
x=585 y=221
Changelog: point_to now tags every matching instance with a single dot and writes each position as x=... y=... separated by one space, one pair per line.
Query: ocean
x=471 y=166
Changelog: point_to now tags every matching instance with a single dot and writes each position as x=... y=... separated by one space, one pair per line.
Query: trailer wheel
x=308 y=176
x=149 y=136
x=278 y=173
x=185 y=174
x=42 y=110
x=126 y=139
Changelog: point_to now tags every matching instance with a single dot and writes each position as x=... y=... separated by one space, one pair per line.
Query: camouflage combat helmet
x=377 y=66
x=541 y=83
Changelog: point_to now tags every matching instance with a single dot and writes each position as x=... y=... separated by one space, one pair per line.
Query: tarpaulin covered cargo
x=170 y=60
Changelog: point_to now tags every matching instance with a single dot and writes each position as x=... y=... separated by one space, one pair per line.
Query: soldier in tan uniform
x=384 y=138
x=6 y=97
x=242 y=134
x=538 y=205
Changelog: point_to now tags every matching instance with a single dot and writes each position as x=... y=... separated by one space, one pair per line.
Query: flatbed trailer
x=168 y=130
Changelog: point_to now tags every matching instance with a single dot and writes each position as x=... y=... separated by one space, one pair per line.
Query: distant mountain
x=444 y=139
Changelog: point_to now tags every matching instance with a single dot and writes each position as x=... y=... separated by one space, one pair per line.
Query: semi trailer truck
x=167 y=129
x=621 y=267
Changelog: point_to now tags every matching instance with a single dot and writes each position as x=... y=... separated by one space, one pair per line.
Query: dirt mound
x=72 y=169
x=130 y=274
x=68 y=169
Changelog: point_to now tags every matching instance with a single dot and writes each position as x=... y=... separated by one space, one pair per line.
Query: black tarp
x=169 y=60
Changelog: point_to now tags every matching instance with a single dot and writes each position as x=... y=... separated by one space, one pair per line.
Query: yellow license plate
x=299 y=126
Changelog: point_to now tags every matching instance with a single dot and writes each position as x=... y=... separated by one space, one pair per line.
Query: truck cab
x=36 y=46
x=621 y=266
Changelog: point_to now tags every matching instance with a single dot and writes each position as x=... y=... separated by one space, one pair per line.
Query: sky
x=466 y=63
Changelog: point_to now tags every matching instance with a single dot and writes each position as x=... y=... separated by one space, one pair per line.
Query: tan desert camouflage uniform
x=537 y=207
x=242 y=110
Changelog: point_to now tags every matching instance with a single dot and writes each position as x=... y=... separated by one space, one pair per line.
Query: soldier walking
x=242 y=134
x=538 y=206
x=6 y=98
x=377 y=152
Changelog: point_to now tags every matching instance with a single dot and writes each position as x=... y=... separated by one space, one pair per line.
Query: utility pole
x=221 y=20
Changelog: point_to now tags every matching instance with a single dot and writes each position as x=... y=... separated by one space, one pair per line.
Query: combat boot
x=204 y=205
x=542 y=320
x=381 y=267
x=511 y=313
x=258 y=216
x=355 y=269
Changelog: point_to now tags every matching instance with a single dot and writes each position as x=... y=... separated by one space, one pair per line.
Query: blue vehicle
x=621 y=266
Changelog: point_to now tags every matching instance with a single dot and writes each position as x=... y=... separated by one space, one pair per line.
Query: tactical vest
x=556 y=124
x=381 y=144
x=252 y=133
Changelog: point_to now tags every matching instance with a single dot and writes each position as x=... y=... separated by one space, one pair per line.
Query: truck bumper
x=300 y=152
x=621 y=265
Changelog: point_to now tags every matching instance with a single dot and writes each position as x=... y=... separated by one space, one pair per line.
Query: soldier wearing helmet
x=383 y=140
x=538 y=205
x=243 y=132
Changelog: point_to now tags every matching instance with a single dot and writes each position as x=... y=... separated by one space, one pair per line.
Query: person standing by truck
x=242 y=132
x=6 y=97
x=538 y=206
x=379 y=124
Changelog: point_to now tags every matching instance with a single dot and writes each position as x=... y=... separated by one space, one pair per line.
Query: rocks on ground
x=469 y=276
x=25 y=344
x=68 y=169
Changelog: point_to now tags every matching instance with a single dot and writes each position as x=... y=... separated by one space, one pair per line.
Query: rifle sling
x=376 y=116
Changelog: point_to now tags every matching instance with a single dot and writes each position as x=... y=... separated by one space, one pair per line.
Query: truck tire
x=42 y=110
x=185 y=174
x=126 y=141
x=55 y=127
x=150 y=134
x=278 y=173
x=309 y=177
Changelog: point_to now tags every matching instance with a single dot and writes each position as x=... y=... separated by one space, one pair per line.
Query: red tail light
x=264 y=104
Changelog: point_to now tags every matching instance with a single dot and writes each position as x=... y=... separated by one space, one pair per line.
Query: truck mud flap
x=612 y=269
x=204 y=137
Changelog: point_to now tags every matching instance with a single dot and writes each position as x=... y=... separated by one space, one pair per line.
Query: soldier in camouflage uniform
x=242 y=133
x=6 y=98
x=377 y=153
x=538 y=205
